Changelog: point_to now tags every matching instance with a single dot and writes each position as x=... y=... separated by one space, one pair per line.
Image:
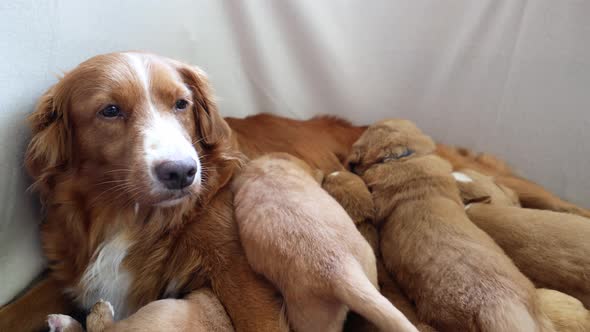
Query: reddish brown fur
x=351 y=192
x=458 y=277
x=298 y=236
x=324 y=141
x=530 y=194
x=195 y=242
x=551 y=248
x=73 y=196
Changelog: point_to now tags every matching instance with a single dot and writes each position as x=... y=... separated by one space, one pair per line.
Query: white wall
x=511 y=77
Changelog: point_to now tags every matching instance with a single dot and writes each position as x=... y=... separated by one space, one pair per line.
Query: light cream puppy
x=459 y=278
x=297 y=236
x=200 y=311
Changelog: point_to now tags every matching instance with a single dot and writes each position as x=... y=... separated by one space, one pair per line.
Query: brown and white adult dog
x=68 y=160
x=459 y=278
x=131 y=159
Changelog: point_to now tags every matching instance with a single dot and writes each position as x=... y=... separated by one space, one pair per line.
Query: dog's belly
x=105 y=278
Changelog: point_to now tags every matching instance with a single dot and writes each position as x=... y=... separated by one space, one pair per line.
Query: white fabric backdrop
x=511 y=77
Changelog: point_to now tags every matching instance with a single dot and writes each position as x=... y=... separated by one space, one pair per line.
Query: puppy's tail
x=356 y=291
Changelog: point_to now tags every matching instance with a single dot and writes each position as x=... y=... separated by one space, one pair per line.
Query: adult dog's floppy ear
x=49 y=146
x=212 y=127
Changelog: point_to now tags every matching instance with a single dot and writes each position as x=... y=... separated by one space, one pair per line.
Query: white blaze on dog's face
x=171 y=161
x=133 y=123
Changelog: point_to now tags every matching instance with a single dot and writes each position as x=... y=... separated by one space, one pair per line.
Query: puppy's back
x=552 y=248
x=455 y=264
x=279 y=203
x=302 y=240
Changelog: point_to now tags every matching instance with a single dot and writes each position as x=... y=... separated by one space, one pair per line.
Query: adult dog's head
x=136 y=127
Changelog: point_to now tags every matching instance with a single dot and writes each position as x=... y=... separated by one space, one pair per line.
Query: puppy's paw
x=103 y=308
x=101 y=316
x=63 y=323
x=351 y=192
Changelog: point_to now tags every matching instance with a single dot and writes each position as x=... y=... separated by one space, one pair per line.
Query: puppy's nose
x=177 y=174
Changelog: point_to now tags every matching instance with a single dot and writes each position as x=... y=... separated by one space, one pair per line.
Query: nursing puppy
x=301 y=239
x=325 y=142
x=458 y=277
x=200 y=311
x=475 y=187
x=351 y=192
x=551 y=248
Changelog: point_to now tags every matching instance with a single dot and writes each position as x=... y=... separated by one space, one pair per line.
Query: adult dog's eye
x=181 y=104
x=111 y=111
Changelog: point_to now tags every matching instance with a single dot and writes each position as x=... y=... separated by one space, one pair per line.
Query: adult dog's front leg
x=251 y=301
x=29 y=312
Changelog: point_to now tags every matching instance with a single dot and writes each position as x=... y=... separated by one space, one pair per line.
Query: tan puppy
x=458 y=277
x=354 y=196
x=567 y=313
x=301 y=239
x=530 y=194
x=552 y=248
x=478 y=188
x=200 y=311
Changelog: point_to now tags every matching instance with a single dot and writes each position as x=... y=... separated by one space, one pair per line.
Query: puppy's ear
x=48 y=149
x=473 y=192
x=212 y=127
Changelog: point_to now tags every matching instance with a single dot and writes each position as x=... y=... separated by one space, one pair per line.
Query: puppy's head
x=140 y=128
x=388 y=140
x=478 y=188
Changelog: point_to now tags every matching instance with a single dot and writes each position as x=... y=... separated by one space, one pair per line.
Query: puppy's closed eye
x=395 y=156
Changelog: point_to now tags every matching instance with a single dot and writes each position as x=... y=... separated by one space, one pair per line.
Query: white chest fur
x=105 y=278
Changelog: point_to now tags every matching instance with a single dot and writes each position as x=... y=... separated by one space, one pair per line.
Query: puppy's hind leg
x=315 y=315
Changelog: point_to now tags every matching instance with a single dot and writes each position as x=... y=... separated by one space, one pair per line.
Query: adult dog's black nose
x=177 y=174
